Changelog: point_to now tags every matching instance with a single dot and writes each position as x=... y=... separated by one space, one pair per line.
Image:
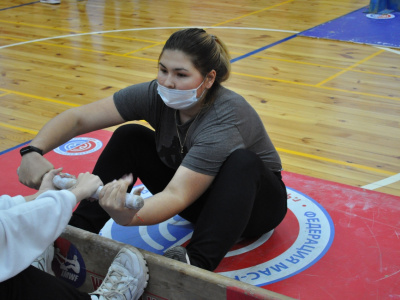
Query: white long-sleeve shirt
x=28 y=228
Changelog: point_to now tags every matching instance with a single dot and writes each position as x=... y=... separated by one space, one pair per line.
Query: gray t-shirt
x=230 y=123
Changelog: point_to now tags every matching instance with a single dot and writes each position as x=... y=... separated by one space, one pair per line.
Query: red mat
x=337 y=241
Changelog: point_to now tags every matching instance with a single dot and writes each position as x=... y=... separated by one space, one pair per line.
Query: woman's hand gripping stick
x=132 y=201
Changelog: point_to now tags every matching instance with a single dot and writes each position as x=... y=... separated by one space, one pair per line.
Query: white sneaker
x=51 y=1
x=126 y=278
x=43 y=262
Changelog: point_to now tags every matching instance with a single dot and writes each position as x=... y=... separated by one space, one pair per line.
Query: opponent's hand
x=86 y=185
x=47 y=182
x=32 y=169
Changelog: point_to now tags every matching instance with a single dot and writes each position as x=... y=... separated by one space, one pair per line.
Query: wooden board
x=90 y=255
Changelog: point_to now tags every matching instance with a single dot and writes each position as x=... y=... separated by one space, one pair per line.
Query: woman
x=209 y=158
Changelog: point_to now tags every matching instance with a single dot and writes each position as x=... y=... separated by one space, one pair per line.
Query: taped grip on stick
x=131 y=201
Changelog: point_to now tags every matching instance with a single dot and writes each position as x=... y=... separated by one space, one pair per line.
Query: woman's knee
x=127 y=137
x=243 y=160
x=131 y=130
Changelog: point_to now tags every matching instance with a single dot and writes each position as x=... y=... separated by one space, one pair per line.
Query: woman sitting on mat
x=208 y=159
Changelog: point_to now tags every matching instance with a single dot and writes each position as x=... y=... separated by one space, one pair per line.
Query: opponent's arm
x=62 y=128
x=185 y=187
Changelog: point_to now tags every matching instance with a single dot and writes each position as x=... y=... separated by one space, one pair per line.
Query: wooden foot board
x=83 y=258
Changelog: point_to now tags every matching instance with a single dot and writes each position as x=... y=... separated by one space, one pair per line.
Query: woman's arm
x=27 y=229
x=62 y=128
x=185 y=187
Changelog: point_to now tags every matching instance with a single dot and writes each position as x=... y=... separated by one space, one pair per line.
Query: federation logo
x=79 y=146
x=68 y=263
x=279 y=257
x=304 y=236
x=381 y=16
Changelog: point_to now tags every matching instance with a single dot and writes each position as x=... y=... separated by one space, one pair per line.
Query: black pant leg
x=34 y=284
x=245 y=199
x=131 y=149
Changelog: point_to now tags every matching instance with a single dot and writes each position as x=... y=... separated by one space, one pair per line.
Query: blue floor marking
x=8 y=150
x=356 y=27
x=263 y=48
x=232 y=61
x=19 y=5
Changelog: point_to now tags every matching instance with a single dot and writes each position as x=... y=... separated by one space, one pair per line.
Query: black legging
x=35 y=284
x=245 y=199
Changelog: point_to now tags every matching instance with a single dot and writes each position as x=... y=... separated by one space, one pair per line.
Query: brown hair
x=207 y=52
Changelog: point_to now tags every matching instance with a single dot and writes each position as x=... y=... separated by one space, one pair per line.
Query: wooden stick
x=131 y=201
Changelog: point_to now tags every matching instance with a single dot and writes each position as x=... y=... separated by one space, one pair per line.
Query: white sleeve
x=6 y=201
x=26 y=230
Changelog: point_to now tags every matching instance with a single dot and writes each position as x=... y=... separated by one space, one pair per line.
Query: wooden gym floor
x=332 y=108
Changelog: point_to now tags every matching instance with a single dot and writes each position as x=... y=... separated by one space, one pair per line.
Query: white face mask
x=179 y=99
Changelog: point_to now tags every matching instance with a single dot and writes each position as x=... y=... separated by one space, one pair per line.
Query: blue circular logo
x=307 y=230
x=68 y=263
x=79 y=146
x=315 y=236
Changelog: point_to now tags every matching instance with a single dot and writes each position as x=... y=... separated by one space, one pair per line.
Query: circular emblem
x=303 y=237
x=79 y=146
x=68 y=263
x=380 y=16
x=314 y=236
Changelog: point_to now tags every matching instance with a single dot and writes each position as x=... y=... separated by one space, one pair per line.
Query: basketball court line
x=233 y=60
x=263 y=48
x=141 y=29
x=383 y=182
x=18 y=128
x=38 y=97
x=390 y=50
x=16 y=6
x=254 y=12
x=214 y=26
x=350 y=67
x=13 y=148
x=211 y=27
